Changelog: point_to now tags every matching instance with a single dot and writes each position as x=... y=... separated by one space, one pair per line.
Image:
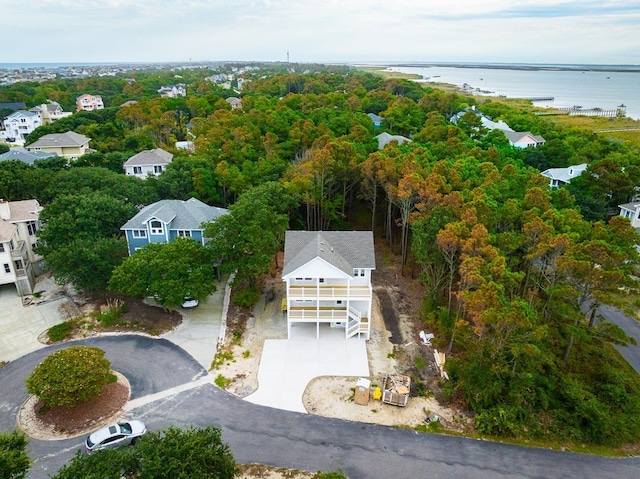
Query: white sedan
x=115 y=435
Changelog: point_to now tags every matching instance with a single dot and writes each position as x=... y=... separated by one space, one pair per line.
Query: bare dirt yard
x=394 y=348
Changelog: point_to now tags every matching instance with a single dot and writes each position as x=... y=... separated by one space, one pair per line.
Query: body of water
x=587 y=88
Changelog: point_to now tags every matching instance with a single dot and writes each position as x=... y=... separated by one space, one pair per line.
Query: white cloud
x=314 y=30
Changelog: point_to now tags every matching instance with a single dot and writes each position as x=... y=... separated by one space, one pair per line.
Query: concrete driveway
x=199 y=332
x=288 y=365
x=21 y=325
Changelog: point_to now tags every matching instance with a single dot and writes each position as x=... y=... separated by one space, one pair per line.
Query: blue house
x=165 y=220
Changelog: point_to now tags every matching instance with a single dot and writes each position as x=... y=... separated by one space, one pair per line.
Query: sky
x=360 y=31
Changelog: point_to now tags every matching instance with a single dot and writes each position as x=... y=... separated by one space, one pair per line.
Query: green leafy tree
x=14 y=461
x=248 y=238
x=176 y=453
x=88 y=263
x=168 y=272
x=71 y=375
x=80 y=238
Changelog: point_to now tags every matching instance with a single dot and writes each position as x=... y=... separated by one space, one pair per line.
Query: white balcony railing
x=313 y=315
x=334 y=292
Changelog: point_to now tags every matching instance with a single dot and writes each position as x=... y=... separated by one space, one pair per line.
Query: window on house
x=31 y=228
x=156 y=228
x=7 y=268
x=139 y=234
x=1 y=248
x=18 y=264
x=321 y=280
x=358 y=272
x=184 y=233
x=137 y=170
x=157 y=169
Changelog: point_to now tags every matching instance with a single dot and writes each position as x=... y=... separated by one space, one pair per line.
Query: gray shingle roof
x=385 y=138
x=13 y=106
x=515 y=136
x=345 y=250
x=150 y=157
x=25 y=156
x=70 y=138
x=182 y=215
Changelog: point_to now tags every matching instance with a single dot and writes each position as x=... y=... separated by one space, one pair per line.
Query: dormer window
x=156 y=227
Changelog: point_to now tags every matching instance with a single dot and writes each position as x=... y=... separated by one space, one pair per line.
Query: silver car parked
x=119 y=434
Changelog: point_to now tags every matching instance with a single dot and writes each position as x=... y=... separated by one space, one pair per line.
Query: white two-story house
x=147 y=162
x=328 y=280
x=19 y=224
x=19 y=124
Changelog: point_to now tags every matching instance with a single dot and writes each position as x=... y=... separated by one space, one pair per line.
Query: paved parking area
x=20 y=326
x=287 y=366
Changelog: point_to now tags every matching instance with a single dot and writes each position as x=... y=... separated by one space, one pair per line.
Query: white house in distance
x=173 y=91
x=148 y=162
x=18 y=227
x=328 y=280
x=563 y=176
x=89 y=102
x=19 y=124
x=630 y=211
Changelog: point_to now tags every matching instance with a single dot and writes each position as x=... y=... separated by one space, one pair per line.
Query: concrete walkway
x=287 y=366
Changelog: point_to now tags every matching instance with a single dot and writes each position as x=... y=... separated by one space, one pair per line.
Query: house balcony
x=21 y=250
x=328 y=292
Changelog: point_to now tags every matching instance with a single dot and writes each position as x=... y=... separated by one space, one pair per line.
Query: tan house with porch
x=70 y=145
x=328 y=280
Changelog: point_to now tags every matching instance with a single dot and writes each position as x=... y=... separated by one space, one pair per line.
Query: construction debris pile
x=395 y=389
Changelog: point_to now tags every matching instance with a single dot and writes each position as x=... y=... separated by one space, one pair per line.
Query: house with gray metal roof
x=166 y=220
x=563 y=176
x=147 y=162
x=328 y=281
x=21 y=154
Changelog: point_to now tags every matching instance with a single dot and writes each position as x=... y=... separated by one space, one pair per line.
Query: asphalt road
x=280 y=438
x=630 y=326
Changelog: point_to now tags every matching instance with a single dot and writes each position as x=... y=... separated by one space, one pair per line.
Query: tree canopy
x=176 y=453
x=167 y=272
x=14 y=460
x=70 y=375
